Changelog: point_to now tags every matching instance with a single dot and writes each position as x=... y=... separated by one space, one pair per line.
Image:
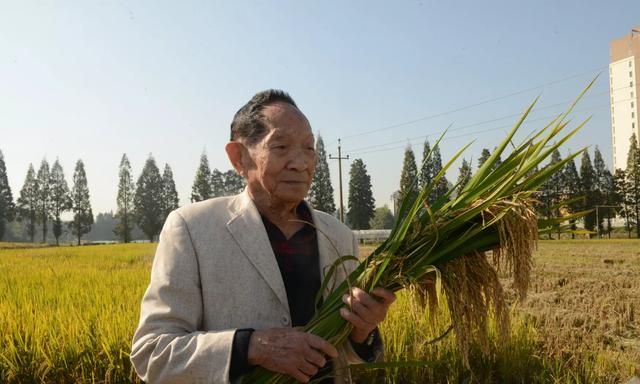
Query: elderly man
x=234 y=278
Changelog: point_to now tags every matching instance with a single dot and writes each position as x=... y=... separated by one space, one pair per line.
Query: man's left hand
x=366 y=311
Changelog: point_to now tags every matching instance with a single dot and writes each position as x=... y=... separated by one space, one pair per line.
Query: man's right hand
x=289 y=351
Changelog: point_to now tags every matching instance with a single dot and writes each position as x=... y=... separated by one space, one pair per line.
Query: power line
x=365 y=149
x=361 y=151
x=472 y=105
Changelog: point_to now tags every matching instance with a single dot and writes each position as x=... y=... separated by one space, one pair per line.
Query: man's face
x=283 y=162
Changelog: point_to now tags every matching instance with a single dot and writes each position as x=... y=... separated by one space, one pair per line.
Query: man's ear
x=237 y=154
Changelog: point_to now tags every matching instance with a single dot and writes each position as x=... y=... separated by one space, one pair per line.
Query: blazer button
x=285 y=320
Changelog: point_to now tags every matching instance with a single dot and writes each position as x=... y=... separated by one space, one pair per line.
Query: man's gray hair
x=248 y=123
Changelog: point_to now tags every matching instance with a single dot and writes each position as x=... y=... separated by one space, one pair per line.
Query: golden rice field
x=67 y=315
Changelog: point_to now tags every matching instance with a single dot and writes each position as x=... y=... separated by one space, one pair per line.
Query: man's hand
x=289 y=351
x=367 y=311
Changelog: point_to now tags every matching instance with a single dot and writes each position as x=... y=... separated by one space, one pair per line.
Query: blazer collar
x=247 y=229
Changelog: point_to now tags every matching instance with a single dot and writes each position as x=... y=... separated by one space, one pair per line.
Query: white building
x=624 y=88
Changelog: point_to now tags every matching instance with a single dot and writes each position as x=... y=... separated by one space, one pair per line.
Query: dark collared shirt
x=299 y=262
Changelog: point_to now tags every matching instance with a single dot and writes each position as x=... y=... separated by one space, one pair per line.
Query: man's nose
x=299 y=160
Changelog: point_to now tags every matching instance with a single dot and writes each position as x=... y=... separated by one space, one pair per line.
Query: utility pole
x=340 y=158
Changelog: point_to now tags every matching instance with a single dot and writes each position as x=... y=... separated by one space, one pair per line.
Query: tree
x=571 y=190
x=81 y=204
x=382 y=218
x=604 y=187
x=426 y=171
x=587 y=187
x=147 y=204
x=620 y=196
x=361 y=201
x=44 y=197
x=442 y=185
x=126 y=191
x=217 y=183
x=464 y=175
x=170 y=199
x=60 y=198
x=633 y=182
x=7 y=208
x=552 y=191
x=28 y=202
x=233 y=183
x=408 y=189
x=201 y=189
x=484 y=156
x=321 y=192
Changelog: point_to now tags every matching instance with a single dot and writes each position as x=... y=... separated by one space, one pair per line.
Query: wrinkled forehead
x=286 y=119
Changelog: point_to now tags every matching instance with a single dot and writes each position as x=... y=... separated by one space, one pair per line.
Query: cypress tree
x=484 y=156
x=633 y=182
x=441 y=186
x=233 y=183
x=321 y=191
x=603 y=190
x=126 y=191
x=44 y=197
x=553 y=190
x=426 y=171
x=148 y=210
x=217 y=183
x=81 y=204
x=361 y=201
x=621 y=195
x=7 y=207
x=28 y=202
x=587 y=187
x=464 y=175
x=60 y=198
x=571 y=190
x=407 y=176
x=201 y=189
x=170 y=199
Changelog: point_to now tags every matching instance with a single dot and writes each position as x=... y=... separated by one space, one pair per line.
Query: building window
x=631 y=83
x=633 y=125
x=630 y=74
x=629 y=63
x=633 y=115
x=632 y=104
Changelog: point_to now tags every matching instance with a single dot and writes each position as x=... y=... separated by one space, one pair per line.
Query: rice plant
x=493 y=214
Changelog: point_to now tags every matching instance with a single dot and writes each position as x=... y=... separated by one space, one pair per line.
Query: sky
x=92 y=80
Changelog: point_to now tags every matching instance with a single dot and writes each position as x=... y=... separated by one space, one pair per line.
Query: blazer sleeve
x=168 y=346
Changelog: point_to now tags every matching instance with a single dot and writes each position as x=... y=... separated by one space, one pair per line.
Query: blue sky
x=93 y=80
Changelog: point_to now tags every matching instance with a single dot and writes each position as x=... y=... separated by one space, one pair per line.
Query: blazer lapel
x=328 y=251
x=247 y=229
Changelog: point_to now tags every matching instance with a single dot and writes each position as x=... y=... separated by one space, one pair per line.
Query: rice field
x=67 y=315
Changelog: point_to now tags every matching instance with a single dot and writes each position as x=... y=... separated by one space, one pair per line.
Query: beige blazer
x=214 y=272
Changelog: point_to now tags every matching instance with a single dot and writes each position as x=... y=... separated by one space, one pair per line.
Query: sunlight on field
x=579 y=324
x=68 y=315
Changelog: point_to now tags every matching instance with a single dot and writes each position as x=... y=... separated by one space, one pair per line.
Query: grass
x=67 y=314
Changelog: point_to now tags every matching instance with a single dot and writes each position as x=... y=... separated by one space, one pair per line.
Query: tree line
x=147 y=202
x=592 y=189
x=144 y=204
